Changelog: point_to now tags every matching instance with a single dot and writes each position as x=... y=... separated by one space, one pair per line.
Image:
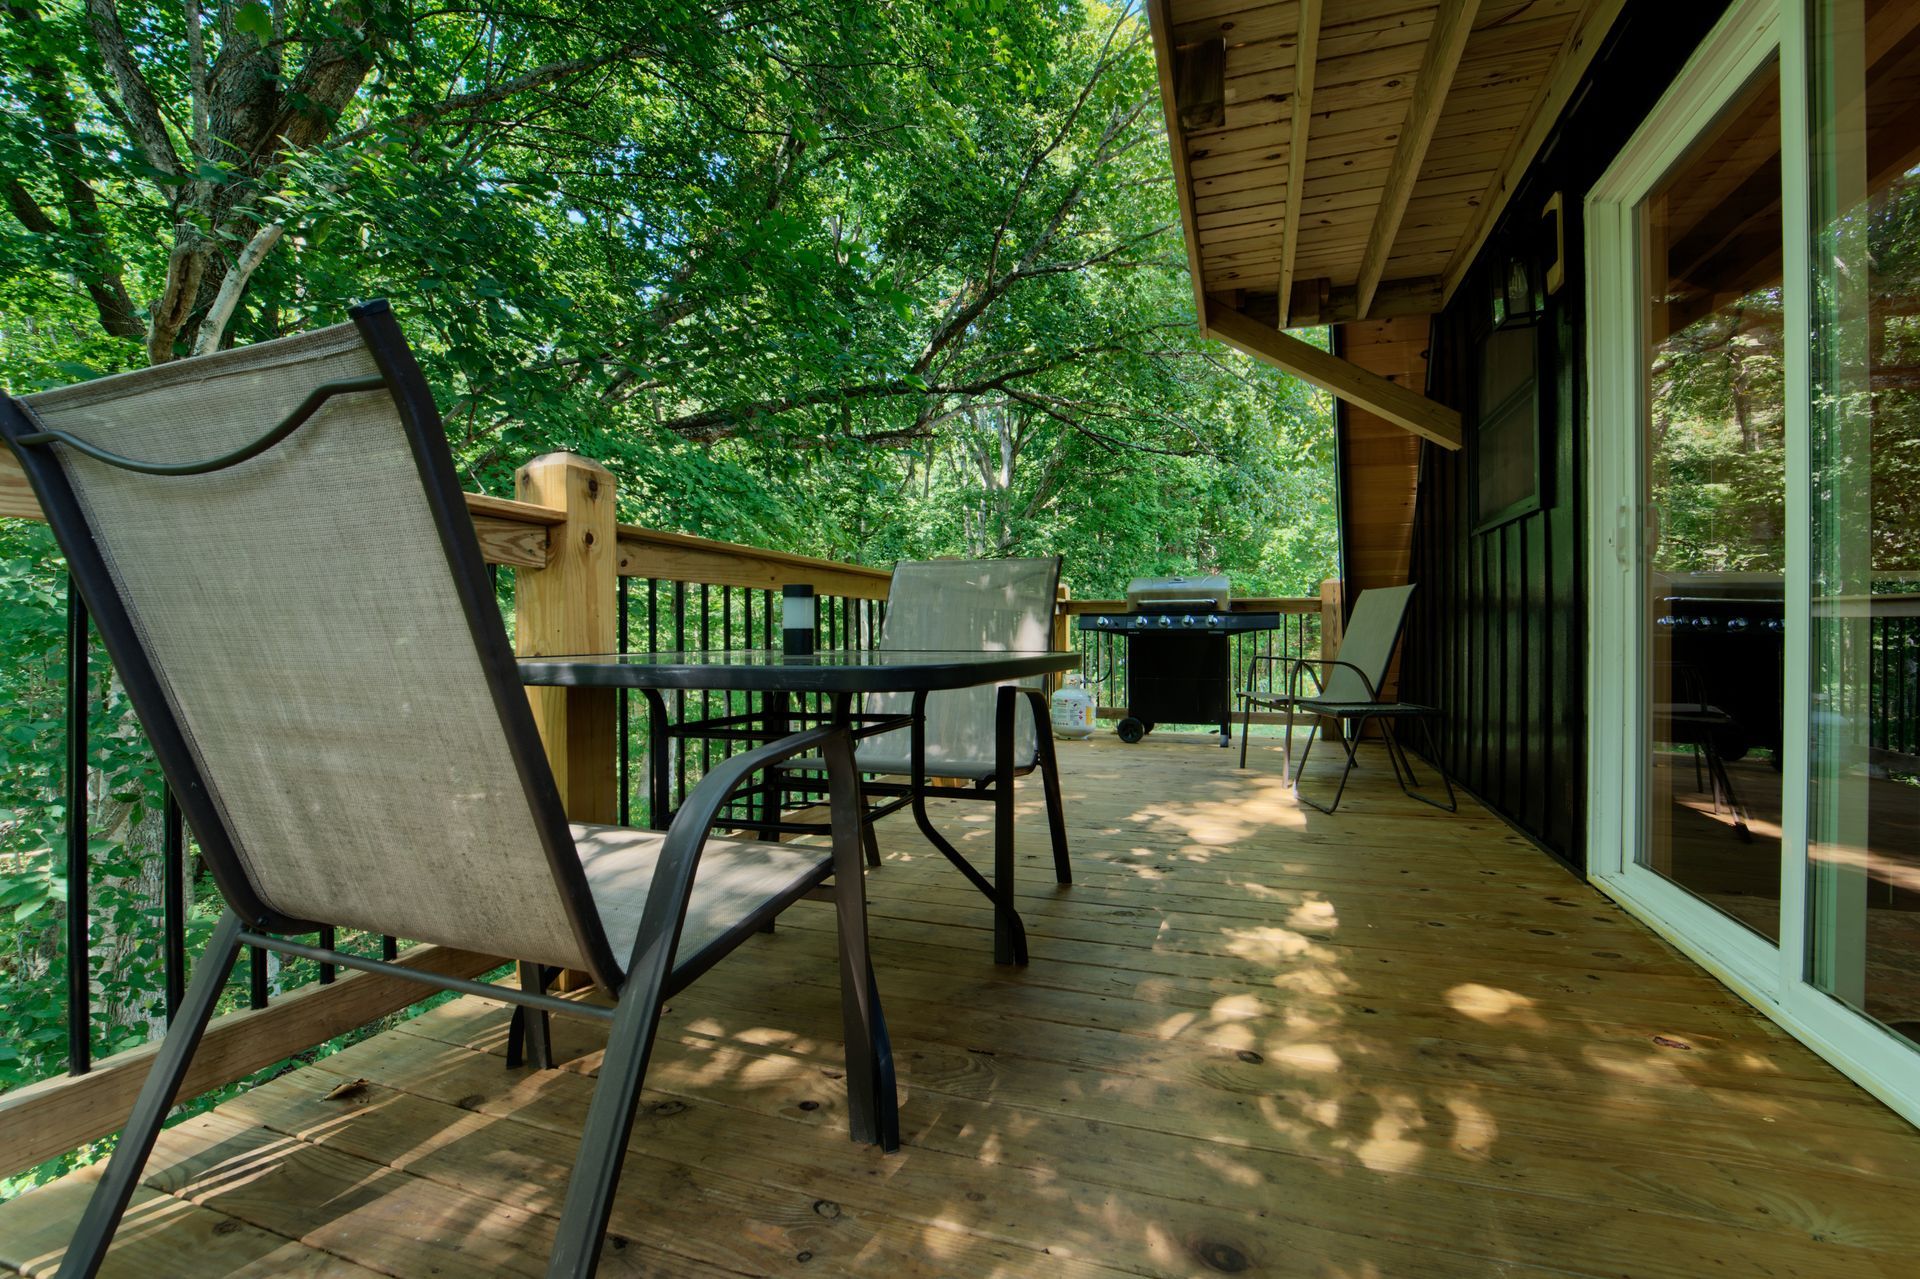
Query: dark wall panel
x=1498 y=639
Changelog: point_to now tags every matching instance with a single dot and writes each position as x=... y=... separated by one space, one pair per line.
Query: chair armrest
x=666 y=907
x=1308 y=663
x=1254 y=663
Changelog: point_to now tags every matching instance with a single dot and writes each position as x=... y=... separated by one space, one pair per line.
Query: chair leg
x=531 y=1027
x=169 y=1068
x=1433 y=757
x=1246 y=726
x=1723 y=781
x=1352 y=742
x=1050 y=786
x=869 y=837
x=603 y=1141
x=1004 y=911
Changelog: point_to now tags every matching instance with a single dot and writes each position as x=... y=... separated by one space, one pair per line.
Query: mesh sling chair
x=1349 y=692
x=305 y=625
x=973 y=735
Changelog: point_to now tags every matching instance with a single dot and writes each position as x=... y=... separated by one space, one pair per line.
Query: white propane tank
x=1072 y=709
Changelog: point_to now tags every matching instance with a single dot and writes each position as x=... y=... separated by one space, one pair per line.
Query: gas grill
x=1179 y=633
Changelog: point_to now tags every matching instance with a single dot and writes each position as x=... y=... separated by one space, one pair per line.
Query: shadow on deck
x=1253 y=1040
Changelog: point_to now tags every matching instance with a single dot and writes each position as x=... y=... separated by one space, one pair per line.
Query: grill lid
x=1210 y=591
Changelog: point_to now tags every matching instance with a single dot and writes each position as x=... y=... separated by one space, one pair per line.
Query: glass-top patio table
x=840 y=675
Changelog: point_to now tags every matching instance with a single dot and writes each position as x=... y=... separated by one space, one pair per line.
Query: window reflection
x=1865 y=792
x=1714 y=443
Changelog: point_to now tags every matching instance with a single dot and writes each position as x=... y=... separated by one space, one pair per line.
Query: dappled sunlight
x=1264 y=1055
x=1492 y=1004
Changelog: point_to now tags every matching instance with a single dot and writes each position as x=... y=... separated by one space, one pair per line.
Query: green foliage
x=861 y=280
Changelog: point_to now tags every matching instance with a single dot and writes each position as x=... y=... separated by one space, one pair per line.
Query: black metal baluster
x=328 y=941
x=679 y=695
x=173 y=900
x=653 y=646
x=256 y=977
x=626 y=720
x=706 y=703
x=389 y=948
x=79 y=961
x=726 y=644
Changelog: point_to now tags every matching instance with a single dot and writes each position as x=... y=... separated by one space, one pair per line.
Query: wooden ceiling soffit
x=1438 y=62
x=1386 y=399
x=1160 y=22
x=1569 y=66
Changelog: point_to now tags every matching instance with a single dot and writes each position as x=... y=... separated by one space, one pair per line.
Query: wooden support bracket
x=1426 y=418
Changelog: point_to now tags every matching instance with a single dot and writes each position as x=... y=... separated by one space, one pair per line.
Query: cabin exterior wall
x=1498 y=636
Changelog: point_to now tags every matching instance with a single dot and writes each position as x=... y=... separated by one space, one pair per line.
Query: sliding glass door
x=1864 y=588
x=1690 y=452
x=1754 y=254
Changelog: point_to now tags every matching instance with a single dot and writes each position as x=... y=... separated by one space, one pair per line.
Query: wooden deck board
x=1253 y=1039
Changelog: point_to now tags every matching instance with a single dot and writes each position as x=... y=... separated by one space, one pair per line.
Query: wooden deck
x=1253 y=1040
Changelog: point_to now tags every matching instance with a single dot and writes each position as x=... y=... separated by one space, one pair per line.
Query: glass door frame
x=1772 y=978
x=1726 y=62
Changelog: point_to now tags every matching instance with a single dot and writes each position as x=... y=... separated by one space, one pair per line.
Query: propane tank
x=1072 y=709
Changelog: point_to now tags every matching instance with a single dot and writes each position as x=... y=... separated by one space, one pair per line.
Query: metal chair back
x=966 y=606
x=304 y=622
x=1372 y=634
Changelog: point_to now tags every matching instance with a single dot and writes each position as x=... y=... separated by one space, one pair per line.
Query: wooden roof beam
x=1160 y=24
x=1569 y=65
x=1405 y=408
x=1441 y=59
x=1306 y=56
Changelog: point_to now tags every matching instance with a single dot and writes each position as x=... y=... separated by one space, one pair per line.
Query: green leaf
x=256 y=20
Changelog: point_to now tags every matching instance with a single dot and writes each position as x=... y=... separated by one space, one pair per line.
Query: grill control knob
x=1737 y=624
x=1166 y=620
x=1187 y=620
x=1213 y=619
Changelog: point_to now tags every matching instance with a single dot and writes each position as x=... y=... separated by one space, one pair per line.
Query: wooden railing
x=576 y=581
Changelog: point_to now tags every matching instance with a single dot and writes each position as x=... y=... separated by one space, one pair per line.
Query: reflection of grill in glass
x=1178 y=631
x=1724 y=637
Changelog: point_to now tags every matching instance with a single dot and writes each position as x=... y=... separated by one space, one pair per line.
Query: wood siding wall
x=1498 y=637
x=1379 y=461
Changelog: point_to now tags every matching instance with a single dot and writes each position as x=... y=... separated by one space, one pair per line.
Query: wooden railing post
x=570 y=607
x=1333 y=621
x=1333 y=625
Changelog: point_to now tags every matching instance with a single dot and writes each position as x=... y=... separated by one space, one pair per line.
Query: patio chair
x=972 y=606
x=1347 y=691
x=304 y=623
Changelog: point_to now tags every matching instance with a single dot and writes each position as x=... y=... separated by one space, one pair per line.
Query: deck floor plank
x=1253 y=1039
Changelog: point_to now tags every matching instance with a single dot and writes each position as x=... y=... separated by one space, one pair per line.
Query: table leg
x=659 y=784
x=1005 y=921
x=869 y=840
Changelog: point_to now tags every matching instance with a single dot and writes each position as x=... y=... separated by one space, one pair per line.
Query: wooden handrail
x=16 y=496
x=681 y=557
x=519 y=534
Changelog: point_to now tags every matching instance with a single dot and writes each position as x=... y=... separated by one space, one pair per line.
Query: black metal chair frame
x=651 y=975
x=1359 y=714
x=1010 y=936
x=1705 y=720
